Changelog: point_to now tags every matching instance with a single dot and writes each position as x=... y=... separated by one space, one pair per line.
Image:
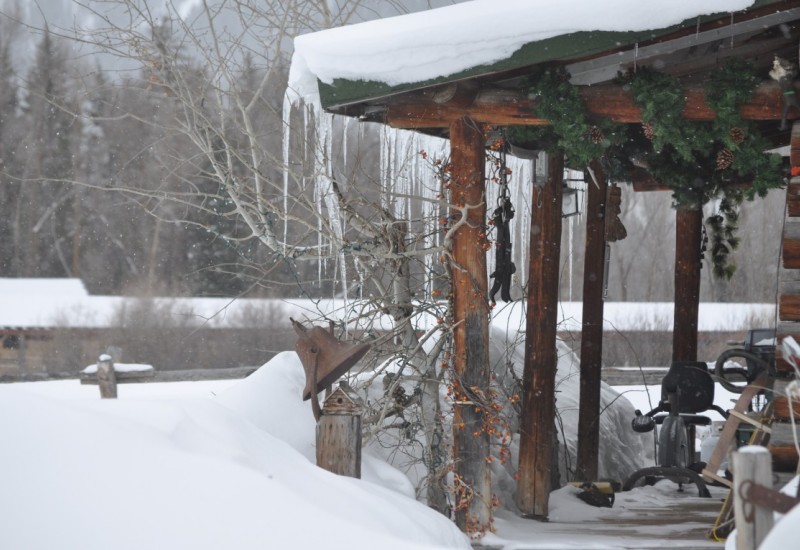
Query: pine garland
x=570 y=129
x=700 y=161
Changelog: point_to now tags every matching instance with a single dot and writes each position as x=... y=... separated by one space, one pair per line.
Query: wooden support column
x=592 y=326
x=688 y=233
x=537 y=425
x=471 y=333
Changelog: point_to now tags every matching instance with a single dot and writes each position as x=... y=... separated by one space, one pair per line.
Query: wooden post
x=473 y=509
x=592 y=327
x=339 y=434
x=537 y=424
x=751 y=464
x=22 y=345
x=688 y=233
x=106 y=377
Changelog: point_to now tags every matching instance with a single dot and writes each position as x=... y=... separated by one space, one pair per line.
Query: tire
x=673 y=446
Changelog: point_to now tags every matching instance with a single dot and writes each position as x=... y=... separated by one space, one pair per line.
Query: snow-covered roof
x=424 y=46
x=50 y=288
x=39 y=304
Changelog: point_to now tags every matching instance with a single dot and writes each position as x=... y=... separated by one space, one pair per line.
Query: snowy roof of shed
x=485 y=38
x=61 y=303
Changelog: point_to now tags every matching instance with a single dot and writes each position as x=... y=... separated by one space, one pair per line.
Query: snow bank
x=199 y=474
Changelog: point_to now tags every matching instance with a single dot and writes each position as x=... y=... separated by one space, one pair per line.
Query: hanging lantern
x=571 y=204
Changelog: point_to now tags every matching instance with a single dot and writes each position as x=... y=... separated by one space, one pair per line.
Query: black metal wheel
x=734 y=379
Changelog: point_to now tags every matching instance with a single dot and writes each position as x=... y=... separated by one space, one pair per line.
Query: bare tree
x=277 y=186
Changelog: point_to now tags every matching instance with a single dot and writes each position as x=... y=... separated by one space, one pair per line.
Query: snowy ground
x=229 y=464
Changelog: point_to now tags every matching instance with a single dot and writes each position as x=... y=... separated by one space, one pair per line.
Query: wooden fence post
x=751 y=464
x=339 y=433
x=106 y=377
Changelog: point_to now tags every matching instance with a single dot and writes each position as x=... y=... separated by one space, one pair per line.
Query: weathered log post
x=688 y=235
x=537 y=422
x=592 y=329
x=106 y=377
x=471 y=444
x=339 y=433
x=751 y=465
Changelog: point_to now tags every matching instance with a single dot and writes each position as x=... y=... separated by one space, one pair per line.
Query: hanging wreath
x=700 y=161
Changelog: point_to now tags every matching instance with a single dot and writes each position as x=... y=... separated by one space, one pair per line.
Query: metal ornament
x=324 y=357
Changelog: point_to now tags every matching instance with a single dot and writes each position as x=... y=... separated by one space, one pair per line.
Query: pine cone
x=647 y=128
x=724 y=159
x=737 y=135
x=595 y=134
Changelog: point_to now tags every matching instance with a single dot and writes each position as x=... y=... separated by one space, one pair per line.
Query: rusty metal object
x=758 y=495
x=324 y=357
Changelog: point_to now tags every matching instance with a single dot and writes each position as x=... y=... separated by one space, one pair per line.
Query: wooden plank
x=789 y=307
x=471 y=327
x=794 y=148
x=592 y=326
x=784 y=458
x=122 y=377
x=791 y=253
x=728 y=433
x=688 y=231
x=537 y=422
x=750 y=420
x=713 y=476
x=793 y=197
x=781 y=409
x=643 y=182
x=506 y=107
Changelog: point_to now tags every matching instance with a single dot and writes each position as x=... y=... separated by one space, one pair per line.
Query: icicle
x=569 y=239
x=287 y=163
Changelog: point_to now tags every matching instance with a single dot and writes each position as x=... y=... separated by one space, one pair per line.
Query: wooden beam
x=688 y=234
x=791 y=244
x=643 y=182
x=794 y=146
x=793 y=198
x=471 y=333
x=592 y=326
x=537 y=423
x=504 y=107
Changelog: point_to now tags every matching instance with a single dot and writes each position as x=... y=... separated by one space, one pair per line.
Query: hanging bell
x=324 y=357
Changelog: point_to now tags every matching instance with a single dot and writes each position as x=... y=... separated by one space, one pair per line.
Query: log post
x=688 y=234
x=537 y=423
x=592 y=327
x=471 y=328
x=106 y=377
x=339 y=433
x=751 y=464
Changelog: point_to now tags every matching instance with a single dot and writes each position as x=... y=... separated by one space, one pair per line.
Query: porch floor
x=644 y=518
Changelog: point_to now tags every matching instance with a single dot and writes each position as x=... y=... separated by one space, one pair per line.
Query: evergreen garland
x=699 y=161
x=570 y=129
